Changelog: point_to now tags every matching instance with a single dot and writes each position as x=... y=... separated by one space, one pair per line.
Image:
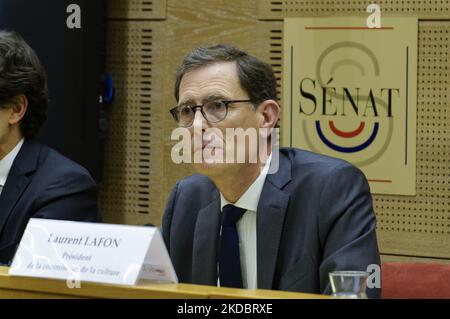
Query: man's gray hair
x=255 y=76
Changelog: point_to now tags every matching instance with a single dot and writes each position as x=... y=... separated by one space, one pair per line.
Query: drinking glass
x=349 y=284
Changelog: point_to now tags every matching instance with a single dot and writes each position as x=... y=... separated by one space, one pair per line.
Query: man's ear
x=270 y=113
x=18 y=109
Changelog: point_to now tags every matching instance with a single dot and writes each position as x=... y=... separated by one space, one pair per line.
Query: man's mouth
x=205 y=144
x=201 y=146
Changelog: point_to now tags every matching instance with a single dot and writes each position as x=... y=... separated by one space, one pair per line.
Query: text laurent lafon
x=107 y=242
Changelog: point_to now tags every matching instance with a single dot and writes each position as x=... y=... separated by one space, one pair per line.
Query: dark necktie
x=229 y=258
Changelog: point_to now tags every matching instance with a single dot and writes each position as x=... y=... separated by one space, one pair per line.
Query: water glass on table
x=349 y=284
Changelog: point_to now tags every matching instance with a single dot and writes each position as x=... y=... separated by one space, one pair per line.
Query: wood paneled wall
x=146 y=41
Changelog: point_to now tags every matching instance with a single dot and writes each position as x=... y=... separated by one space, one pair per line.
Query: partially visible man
x=236 y=225
x=35 y=181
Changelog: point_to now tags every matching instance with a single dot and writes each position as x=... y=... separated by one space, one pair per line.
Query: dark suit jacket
x=314 y=216
x=43 y=184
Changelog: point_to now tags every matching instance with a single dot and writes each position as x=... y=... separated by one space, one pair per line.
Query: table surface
x=27 y=287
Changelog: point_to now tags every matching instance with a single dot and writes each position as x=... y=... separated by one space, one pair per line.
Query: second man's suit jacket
x=43 y=184
x=314 y=216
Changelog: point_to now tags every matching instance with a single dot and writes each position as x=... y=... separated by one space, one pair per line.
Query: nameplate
x=104 y=253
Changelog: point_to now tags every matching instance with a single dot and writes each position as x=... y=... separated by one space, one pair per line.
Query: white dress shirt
x=7 y=162
x=246 y=228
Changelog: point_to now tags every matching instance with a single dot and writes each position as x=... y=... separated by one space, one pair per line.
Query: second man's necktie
x=229 y=257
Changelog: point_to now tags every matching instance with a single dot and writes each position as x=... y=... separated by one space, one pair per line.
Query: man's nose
x=199 y=120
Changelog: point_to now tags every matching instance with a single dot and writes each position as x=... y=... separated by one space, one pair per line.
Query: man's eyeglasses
x=213 y=111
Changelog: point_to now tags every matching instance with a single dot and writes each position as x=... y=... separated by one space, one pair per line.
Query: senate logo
x=350 y=92
x=339 y=115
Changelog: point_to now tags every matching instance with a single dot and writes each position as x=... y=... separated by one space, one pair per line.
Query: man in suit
x=236 y=225
x=35 y=181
